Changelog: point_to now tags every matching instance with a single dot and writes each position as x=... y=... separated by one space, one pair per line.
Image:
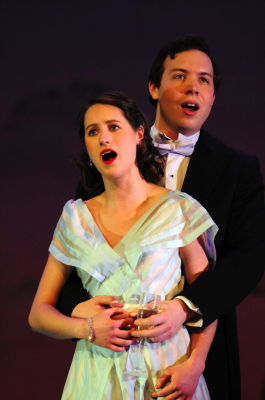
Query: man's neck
x=171 y=134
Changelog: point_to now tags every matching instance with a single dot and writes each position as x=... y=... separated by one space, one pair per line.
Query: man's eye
x=178 y=76
x=92 y=132
x=114 y=127
x=204 y=80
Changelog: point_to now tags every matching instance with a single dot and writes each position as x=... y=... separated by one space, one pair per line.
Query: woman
x=129 y=238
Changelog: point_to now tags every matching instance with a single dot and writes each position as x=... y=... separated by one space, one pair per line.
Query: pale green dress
x=146 y=259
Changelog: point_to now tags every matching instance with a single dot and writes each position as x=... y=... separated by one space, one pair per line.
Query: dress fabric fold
x=146 y=259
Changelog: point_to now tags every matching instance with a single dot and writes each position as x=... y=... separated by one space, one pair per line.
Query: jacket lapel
x=205 y=168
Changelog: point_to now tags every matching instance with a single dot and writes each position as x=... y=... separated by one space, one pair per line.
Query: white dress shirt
x=176 y=168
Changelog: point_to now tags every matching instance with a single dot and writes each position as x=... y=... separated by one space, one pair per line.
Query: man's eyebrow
x=178 y=69
x=185 y=70
x=206 y=73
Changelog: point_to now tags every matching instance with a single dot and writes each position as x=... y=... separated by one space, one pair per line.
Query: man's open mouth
x=108 y=156
x=190 y=106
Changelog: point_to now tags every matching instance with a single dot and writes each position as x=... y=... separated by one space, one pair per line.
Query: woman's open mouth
x=108 y=156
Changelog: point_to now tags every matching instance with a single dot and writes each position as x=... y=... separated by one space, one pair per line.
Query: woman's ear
x=140 y=134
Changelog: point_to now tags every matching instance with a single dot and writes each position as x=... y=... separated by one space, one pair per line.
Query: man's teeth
x=191 y=106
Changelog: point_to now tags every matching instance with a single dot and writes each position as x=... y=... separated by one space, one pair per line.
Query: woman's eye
x=114 y=127
x=92 y=132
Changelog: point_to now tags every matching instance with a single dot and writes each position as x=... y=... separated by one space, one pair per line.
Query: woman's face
x=110 y=140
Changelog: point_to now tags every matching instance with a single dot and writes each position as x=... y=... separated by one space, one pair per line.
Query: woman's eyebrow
x=108 y=121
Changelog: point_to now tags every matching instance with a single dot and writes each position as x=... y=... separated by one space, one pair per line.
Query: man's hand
x=179 y=381
x=91 y=307
x=174 y=313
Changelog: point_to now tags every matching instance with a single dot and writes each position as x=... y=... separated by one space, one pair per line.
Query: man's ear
x=153 y=90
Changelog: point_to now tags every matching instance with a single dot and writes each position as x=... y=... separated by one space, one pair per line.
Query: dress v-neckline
x=132 y=228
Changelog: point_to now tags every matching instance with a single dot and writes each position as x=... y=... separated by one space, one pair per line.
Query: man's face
x=186 y=93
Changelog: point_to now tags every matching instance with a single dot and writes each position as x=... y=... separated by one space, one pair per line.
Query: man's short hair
x=177 y=46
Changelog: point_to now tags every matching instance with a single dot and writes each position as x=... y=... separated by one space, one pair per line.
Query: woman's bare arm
x=46 y=319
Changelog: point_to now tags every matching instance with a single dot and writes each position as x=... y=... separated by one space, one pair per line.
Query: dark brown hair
x=178 y=46
x=148 y=159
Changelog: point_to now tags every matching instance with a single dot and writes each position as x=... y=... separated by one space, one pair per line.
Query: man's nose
x=105 y=137
x=192 y=87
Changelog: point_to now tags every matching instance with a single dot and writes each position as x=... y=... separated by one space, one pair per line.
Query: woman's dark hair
x=178 y=46
x=148 y=159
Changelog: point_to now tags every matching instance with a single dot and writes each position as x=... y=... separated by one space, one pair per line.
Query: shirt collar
x=183 y=145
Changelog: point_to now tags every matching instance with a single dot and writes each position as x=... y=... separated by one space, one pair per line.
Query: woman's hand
x=179 y=382
x=174 y=313
x=111 y=333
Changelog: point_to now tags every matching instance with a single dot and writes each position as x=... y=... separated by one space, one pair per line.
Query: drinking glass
x=131 y=305
x=148 y=304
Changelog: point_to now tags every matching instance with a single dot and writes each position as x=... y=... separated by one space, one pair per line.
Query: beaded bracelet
x=90 y=335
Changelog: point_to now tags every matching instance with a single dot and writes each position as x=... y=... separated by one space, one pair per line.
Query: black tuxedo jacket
x=229 y=185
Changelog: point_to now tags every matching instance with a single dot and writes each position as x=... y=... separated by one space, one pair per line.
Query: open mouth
x=190 y=106
x=108 y=156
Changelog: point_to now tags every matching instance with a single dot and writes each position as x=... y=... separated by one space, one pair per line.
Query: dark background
x=51 y=54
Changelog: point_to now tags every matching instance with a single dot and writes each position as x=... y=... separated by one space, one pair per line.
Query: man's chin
x=189 y=130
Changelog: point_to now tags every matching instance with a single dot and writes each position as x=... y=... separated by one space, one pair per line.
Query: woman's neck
x=118 y=208
x=125 y=194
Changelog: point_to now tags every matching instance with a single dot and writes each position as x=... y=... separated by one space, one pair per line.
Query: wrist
x=197 y=364
x=187 y=313
x=81 y=328
x=90 y=335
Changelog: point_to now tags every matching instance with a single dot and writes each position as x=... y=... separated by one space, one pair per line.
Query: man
x=182 y=83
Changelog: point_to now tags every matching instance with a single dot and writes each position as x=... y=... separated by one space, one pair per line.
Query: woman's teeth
x=108 y=155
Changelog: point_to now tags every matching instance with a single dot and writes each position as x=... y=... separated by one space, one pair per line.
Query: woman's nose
x=105 y=137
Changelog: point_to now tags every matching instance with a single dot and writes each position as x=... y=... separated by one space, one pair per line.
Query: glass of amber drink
x=149 y=304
